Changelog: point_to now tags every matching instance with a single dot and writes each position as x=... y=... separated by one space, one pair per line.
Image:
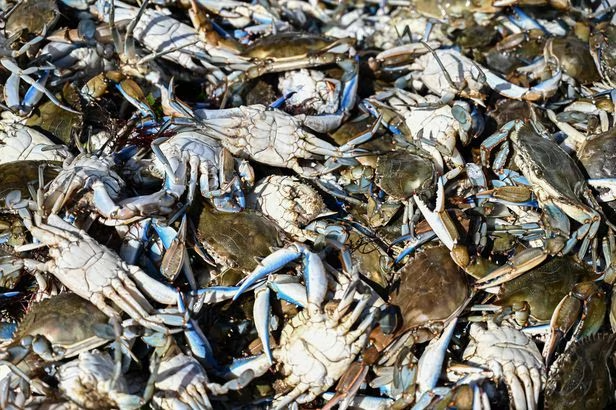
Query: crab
x=290 y=203
x=164 y=36
x=273 y=137
x=580 y=377
x=89 y=382
x=64 y=125
x=402 y=174
x=427 y=275
x=293 y=51
x=264 y=278
x=34 y=18
x=235 y=240
x=602 y=49
x=317 y=346
x=447 y=73
x=54 y=329
x=537 y=293
x=560 y=188
x=310 y=91
x=89 y=172
x=97 y=273
x=194 y=155
x=59 y=327
x=596 y=155
x=20 y=142
x=435 y=128
x=179 y=381
x=511 y=355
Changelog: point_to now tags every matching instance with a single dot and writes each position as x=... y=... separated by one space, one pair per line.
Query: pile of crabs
x=307 y=204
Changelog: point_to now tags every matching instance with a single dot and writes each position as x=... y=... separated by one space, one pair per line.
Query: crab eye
x=390 y=319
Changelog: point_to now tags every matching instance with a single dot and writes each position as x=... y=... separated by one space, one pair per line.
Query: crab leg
x=586 y=300
x=541 y=91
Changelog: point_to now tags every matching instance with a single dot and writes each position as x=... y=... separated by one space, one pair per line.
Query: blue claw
x=286 y=288
x=314 y=271
x=199 y=345
x=166 y=234
x=350 y=82
x=261 y=315
x=414 y=244
x=524 y=21
x=278 y=103
x=289 y=290
x=271 y=264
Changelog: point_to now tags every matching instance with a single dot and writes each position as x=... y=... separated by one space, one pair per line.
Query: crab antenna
x=440 y=64
x=129 y=40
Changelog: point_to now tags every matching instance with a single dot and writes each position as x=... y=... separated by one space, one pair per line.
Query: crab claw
x=314 y=271
x=443 y=226
x=199 y=345
x=431 y=362
x=516 y=266
x=286 y=288
x=586 y=302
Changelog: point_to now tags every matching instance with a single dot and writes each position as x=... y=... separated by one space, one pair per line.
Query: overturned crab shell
x=311 y=92
x=511 y=355
x=289 y=202
x=88 y=381
x=19 y=142
x=180 y=384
